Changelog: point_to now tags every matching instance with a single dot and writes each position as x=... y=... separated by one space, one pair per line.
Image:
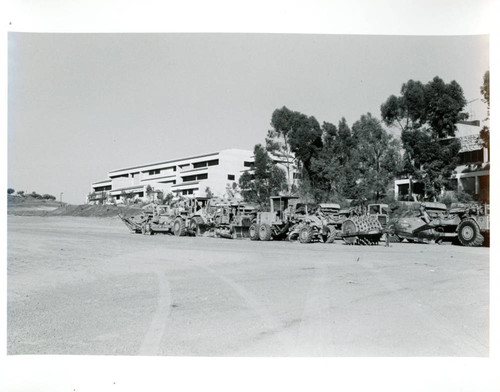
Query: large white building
x=185 y=176
x=473 y=173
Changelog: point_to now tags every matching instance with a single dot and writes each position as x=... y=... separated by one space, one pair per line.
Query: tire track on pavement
x=274 y=325
x=153 y=338
x=315 y=334
x=431 y=318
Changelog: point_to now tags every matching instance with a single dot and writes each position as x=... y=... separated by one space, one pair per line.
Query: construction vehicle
x=291 y=219
x=275 y=224
x=328 y=209
x=313 y=224
x=199 y=217
x=160 y=218
x=474 y=226
x=233 y=219
x=355 y=225
x=466 y=224
x=323 y=223
x=381 y=212
x=411 y=226
x=135 y=222
x=336 y=218
x=361 y=229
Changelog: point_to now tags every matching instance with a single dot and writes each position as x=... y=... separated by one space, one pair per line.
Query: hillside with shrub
x=34 y=204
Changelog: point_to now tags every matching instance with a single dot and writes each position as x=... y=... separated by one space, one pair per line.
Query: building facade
x=185 y=176
x=472 y=176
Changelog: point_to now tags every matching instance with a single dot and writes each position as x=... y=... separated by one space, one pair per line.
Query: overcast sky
x=80 y=105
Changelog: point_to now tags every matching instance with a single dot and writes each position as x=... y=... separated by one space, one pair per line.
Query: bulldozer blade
x=241 y=232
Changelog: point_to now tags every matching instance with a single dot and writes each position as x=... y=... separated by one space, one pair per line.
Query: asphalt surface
x=87 y=286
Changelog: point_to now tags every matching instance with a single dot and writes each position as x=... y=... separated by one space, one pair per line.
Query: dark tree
x=278 y=144
x=302 y=136
x=376 y=157
x=47 y=196
x=35 y=195
x=345 y=157
x=485 y=92
x=324 y=165
x=124 y=196
x=427 y=116
x=208 y=192
x=10 y=191
x=338 y=164
x=265 y=180
x=159 y=196
x=167 y=198
x=232 y=190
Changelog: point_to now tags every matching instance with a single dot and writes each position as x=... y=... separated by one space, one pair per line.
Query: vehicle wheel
x=394 y=238
x=146 y=229
x=330 y=239
x=179 y=227
x=350 y=230
x=306 y=234
x=293 y=233
x=254 y=232
x=195 y=226
x=265 y=232
x=469 y=233
x=486 y=236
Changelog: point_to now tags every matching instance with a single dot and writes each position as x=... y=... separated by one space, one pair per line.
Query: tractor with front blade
x=233 y=219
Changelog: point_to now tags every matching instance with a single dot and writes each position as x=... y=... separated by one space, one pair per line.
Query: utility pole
x=60 y=198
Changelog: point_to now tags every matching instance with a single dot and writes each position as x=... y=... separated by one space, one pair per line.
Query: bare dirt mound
x=27 y=205
x=31 y=207
x=94 y=210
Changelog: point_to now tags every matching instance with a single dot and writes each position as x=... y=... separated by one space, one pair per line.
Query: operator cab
x=283 y=205
x=377 y=209
x=380 y=211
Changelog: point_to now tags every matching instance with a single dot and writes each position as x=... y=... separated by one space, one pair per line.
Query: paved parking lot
x=88 y=286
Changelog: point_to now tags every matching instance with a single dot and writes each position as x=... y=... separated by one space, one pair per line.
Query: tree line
x=34 y=195
x=335 y=162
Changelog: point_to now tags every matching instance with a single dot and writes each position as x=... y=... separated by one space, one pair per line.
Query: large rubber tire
x=391 y=233
x=146 y=229
x=469 y=233
x=394 y=238
x=265 y=232
x=195 y=226
x=179 y=227
x=350 y=229
x=486 y=236
x=306 y=234
x=253 y=231
x=330 y=239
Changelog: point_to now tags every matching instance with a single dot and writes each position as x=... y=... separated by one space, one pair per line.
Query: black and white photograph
x=227 y=203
